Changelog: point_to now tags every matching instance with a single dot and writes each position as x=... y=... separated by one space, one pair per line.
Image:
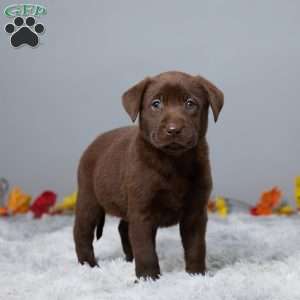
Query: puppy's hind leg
x=123 y=230
x=89 y=215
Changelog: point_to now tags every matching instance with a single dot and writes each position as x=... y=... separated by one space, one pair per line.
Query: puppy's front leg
x=142 y=237
x=192 y=230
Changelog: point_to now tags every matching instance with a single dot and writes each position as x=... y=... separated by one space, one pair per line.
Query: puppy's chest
x=169 y=200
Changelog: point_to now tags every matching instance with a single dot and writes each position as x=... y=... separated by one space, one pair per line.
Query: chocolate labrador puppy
x=153 y=175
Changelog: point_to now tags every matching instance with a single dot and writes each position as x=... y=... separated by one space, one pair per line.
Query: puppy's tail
x=99 y=227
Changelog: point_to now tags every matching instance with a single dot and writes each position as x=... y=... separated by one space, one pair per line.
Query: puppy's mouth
x=174 y=147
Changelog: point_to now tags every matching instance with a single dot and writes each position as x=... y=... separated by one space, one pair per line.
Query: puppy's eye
x=190 y=104
x=156 y=104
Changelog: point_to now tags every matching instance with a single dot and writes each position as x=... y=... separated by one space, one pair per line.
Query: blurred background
x=57 y=98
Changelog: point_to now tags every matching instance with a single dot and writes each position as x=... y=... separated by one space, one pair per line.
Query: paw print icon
x=24 y=32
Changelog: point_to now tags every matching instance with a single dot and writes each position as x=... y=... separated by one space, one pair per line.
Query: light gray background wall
x=55 y=99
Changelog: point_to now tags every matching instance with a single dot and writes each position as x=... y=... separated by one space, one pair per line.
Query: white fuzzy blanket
x=248 y=258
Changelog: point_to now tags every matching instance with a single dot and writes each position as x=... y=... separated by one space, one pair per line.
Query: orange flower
x=18 y=202
x=267 y=202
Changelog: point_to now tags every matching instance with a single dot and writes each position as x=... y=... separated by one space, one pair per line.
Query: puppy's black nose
x=173 y=129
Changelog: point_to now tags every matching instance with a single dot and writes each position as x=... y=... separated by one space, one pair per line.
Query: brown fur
x=154 y=175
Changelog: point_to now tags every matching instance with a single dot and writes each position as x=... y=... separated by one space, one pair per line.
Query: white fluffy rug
x=248 y=258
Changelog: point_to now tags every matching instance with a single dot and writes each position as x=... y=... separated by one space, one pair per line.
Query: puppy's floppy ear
x=132 y=98
x=215 y=96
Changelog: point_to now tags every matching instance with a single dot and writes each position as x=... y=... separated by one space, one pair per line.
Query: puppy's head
x=173 y=109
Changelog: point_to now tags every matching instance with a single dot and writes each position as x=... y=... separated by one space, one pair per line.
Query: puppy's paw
x=148 y=275
x=196 y=271
x=147 y=278
x=92 y=264
x=129 y=258
x=89 y=259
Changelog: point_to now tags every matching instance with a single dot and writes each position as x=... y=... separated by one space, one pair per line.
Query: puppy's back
x=102 y=166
